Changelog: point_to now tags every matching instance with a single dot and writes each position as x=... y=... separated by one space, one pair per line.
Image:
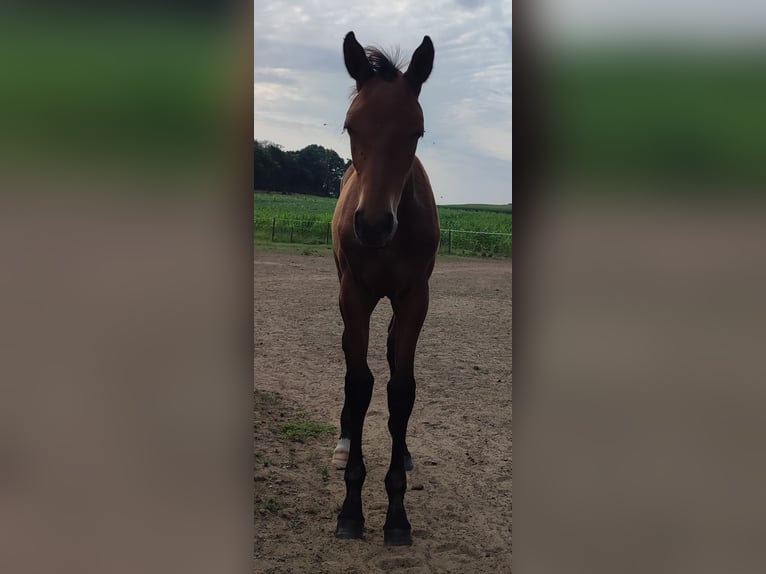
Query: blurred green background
x=656 y=117
x=152 y=98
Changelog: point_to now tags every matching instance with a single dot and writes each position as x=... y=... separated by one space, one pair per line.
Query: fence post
x=273 y=228
x=449 y=248
x=291 y=232
x=327 y=234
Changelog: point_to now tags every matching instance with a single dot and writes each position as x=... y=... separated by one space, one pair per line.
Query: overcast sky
x=301 y=90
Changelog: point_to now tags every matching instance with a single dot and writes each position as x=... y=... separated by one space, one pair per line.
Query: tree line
x=314 y=170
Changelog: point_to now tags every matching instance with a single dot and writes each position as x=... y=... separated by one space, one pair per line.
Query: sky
x=301 y=89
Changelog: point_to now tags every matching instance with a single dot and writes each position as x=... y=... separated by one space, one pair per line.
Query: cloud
x=274 y=92
x=470 y=3
x=301 y=83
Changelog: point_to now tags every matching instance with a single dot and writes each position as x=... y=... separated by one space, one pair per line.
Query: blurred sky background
x=301 y=89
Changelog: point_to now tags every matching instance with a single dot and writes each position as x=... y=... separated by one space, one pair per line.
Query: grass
x=263 y=460
x=300 y=430
x=481 y=207
x=304 y=219
x=311 y=209
x=265 y=399
x=293 y=206
x=277 y=421
x=274 y=506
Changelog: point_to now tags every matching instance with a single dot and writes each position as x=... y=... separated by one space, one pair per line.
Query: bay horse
x=385 y=233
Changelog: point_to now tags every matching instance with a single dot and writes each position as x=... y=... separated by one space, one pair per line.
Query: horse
x=385 y=236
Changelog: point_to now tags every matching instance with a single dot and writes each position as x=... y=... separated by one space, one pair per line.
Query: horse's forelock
x=385 y=65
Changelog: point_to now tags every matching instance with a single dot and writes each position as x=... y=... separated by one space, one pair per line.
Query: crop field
x=483 y=230
x=483 y=207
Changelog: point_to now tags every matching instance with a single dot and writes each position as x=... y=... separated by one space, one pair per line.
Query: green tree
x=312 y=170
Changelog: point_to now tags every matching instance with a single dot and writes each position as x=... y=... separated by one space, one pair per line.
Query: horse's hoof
x=397 y=537
x=408 y=464
x=349 y=529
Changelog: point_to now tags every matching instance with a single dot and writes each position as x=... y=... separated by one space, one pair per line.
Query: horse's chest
x=385 y=278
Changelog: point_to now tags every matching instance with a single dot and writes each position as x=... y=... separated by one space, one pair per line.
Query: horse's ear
x=356 y=61
x=421 y=64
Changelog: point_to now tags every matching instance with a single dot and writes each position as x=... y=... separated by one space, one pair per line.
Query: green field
x=305 y=219
x=482 y=207
x=293 y=206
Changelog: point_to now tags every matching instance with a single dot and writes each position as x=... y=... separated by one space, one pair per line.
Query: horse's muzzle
x=376 y=233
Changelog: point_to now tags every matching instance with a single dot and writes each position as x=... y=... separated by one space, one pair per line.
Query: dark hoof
x=397 y=537
x=349 y=529
x=408 y=465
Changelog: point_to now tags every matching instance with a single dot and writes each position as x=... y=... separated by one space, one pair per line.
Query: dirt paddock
x=459 y=495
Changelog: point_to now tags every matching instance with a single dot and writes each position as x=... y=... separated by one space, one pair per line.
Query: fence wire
x=318 y=232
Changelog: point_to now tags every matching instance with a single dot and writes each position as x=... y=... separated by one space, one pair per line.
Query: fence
x=317 y=232
x=486 y=243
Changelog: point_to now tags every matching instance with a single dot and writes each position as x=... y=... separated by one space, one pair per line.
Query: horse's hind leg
x=356 y=309
x=390 y=346
x=410 y=313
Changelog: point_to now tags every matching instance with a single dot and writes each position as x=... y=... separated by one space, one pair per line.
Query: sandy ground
x=459 y=495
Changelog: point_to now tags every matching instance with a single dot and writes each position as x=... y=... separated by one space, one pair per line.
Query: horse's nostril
x=374 y=232
x=388 y=223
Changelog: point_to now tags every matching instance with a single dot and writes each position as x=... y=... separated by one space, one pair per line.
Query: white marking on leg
x=340 y=455
x=344 y=445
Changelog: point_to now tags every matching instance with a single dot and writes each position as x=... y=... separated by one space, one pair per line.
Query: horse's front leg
x=410 y=312
x=356 y=307
x=391 y=356
x=340 y=454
